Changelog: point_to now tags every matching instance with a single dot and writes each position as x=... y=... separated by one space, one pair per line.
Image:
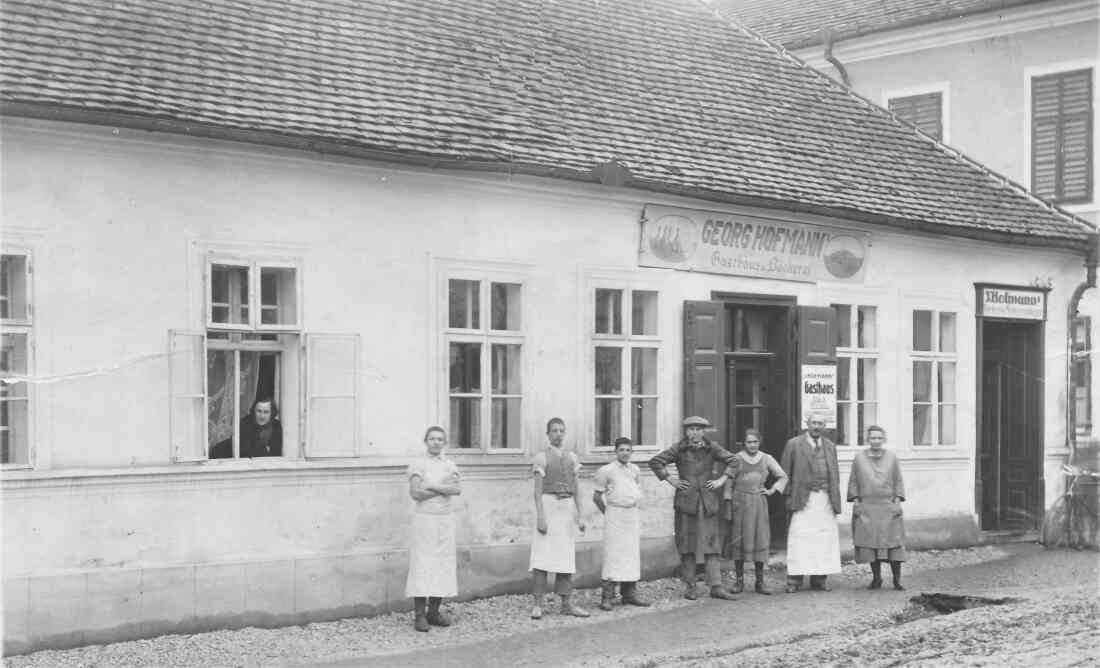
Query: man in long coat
x=696 y=502
x=813 y=501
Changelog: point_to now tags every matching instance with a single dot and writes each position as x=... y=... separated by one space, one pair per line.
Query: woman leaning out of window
x=433 y=481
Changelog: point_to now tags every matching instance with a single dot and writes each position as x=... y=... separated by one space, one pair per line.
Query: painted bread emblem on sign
x=674 y=238
x=844 y=256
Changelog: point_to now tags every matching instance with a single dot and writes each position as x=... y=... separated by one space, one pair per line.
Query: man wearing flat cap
x=698 y=493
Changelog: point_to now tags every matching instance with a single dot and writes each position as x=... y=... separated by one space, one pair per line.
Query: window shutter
x=816 y=335
x=332 y=382
x=924 y=111
x=705 y=325
x=187 y=378
x=1061 y=136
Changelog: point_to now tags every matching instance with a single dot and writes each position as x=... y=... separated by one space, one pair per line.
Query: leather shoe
x=536 y=612
x=439 y=618
x=718 y=591
x=689 y=592
x=421 y=623
x=876 y=583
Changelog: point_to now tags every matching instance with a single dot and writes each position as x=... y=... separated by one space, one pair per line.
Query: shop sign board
x=1016 y=303
x=819 y=393
x=742 y=245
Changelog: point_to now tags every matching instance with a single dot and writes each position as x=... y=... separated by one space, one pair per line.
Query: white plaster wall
x=113 y=217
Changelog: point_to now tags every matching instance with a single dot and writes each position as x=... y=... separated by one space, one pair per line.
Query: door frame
x=979 y=357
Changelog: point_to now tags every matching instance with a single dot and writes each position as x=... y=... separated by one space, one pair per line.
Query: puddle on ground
x=931 y=605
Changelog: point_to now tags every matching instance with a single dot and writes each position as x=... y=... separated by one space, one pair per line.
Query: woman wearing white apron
x=433 y=480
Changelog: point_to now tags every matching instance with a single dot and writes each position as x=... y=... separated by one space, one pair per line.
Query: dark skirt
x=750 y=534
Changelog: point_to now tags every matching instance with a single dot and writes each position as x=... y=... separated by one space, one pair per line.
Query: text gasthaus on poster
x=721 y=243
x=819 y=385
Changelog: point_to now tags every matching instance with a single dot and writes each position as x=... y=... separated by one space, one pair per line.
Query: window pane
x=464 y=304
x=465 y=367
x=947 y=332
x=751 y=329
x=746 y=386
x=229 y=294
x=609 y=370
x=504 y=302
x=609 y=311
x=747 y=418
x=13 y=356
x=221 y=388
x=643 y=421
x=946 y=382
x=608 y=421
x=643 y=371
x=13 y=431
x=465 y=431
x=506 y=368
x=866 y=327
x=842 y=410
x=922 y=381
x=868 y=415
x=278 y=296
x=922 y=330
x=947 y=424
x=922 y=424
x=842 y=313
x=866 y=389
x=644 y=312
x=506 y=420
x=13 y=287
x=843 y=378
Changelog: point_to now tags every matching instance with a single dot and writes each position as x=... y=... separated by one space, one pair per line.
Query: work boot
x=761 y=586
x=568 y=608
x=876 y=575
x=689 y=591
x=738 y=577
x=630 y=595
x=420 y=621
x=437 y=617
x=794 y=583
x=607 y=594
x=718 y=591
x=819 y=583
x=536 y=609
x=895 y=569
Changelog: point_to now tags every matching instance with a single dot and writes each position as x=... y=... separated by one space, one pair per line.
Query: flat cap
x=696 y=421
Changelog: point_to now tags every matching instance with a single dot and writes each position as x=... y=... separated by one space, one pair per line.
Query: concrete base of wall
x=112 y=605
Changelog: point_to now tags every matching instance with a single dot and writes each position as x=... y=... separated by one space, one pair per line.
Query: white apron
x=556 y=551
x=813 y=540
x=622 y=560
x=432 y=561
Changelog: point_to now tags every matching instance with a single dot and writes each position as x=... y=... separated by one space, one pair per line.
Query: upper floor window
x=625 y=350
x=15 y=347
x=857 y=371
x=1061 y=136
x=1081 y=372
x=485 y=351
x=934 y=359
x=924 y=111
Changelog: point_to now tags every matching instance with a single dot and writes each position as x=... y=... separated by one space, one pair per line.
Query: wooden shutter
x=924 y=111
x=187 y=409
x=705 y=327
x=816 y=335
x=1061 y=136
x=332 y=401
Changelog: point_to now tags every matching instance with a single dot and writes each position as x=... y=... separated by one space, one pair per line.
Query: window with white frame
x=236 y=385
x=626 y=349
x=15 y=317
x=484 y=341
x=857 y=371
x=935 y=360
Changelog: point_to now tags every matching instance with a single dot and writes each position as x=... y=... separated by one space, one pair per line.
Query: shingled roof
x=687 y=101
x=799 y=23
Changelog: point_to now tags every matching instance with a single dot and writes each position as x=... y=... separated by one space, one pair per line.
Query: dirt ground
x=1053 y=622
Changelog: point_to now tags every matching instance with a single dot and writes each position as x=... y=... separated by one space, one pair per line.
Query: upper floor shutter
x=1061 y=136
x=924 y=111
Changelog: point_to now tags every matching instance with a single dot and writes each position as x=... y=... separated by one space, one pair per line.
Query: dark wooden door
x=1010 y=463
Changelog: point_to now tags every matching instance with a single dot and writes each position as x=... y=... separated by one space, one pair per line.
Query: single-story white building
x=396 y=214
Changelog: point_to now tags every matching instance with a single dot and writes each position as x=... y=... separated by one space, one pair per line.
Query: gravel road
x=505 y=617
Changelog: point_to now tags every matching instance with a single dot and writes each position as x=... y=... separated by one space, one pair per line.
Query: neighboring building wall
x=107 y=538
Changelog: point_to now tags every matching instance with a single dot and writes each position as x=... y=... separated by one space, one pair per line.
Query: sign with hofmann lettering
x=722 y=243
x=819 y=393
x=1020 y=303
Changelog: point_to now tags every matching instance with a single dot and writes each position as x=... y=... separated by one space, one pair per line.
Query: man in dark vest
x=696 y=502
x=813 y=501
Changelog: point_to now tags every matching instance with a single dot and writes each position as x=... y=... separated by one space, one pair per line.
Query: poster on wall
x=819 y=393
x=744 y=245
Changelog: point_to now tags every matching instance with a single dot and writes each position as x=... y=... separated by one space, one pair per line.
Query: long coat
x=697 y=519
x=796 y=461
x=876 y=518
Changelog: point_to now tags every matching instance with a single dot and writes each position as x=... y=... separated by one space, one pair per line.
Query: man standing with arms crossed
x=813 y=501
